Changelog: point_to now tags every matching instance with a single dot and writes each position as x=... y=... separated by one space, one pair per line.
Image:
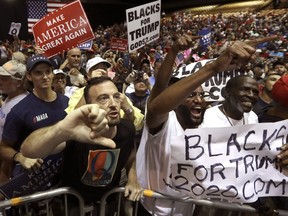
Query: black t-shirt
x=265 y=117
x=93 y=170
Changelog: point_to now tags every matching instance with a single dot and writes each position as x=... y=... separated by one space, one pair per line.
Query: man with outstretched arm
x=170 y=111
x=99 y=144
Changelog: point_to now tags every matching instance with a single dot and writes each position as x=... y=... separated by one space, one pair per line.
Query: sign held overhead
x=143 y=24
x=63 y=29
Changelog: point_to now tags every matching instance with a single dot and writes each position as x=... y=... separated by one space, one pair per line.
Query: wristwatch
x=129 y=110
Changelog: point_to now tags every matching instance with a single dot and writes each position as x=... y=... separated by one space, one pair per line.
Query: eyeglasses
x=203 y=94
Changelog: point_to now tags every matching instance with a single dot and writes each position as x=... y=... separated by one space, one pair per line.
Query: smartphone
x=126 y=60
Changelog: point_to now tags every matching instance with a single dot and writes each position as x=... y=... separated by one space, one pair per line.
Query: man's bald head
x=74 y=58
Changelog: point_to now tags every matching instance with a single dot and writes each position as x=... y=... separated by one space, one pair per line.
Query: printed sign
x=31 y=182
x=234 y=163
x=205 y=40
x=62 y=29
x=14 y=29
x=143 y=24
x=86 y=46
x=118 y=44
x=215 y=84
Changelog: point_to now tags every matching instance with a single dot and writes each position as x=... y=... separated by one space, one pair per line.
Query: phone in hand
x=126 y=60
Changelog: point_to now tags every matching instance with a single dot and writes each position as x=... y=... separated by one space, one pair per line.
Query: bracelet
x=13 y=158
x=128 y=111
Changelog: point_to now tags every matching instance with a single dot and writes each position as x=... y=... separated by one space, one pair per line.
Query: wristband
x=13 y=158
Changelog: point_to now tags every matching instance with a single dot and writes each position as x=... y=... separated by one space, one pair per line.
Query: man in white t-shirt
x=241 y=93
x=170 y=111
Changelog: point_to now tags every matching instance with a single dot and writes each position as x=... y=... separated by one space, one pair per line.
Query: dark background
x=99 y=12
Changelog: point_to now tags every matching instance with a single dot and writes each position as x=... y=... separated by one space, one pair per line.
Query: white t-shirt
x=7 y=105
x=69 y=90
x=153 y=163
x=214 y=117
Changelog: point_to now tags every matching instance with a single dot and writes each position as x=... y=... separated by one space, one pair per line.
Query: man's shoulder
x=62 y=97
x=26 y=101
x=212 y=109
x=126 y=124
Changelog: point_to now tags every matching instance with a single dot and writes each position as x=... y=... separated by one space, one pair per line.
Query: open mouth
x=113 y=114
x=196 y=112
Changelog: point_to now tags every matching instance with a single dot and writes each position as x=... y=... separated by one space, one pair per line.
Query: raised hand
x=238 y=54
x=184 y=42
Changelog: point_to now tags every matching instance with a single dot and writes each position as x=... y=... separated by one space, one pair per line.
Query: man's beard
x=188 y=119
x=113 y=122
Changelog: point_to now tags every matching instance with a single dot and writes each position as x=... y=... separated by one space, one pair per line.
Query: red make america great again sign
x=62 y=29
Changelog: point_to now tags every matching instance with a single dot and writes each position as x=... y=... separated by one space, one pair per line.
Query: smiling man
x=166 y=120
x=241 y=93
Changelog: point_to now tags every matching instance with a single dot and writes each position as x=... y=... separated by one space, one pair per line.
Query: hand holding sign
x=283 y=156
x=28 y=163
x=238 y=54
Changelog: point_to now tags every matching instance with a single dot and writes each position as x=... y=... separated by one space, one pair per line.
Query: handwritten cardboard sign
x=63 y=29
x=143 y=24
x=234 y=163
x=215 y=84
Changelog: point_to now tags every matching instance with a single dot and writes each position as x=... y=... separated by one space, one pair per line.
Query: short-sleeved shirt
x=93 y=170
x=30 y=114
x=7 y=105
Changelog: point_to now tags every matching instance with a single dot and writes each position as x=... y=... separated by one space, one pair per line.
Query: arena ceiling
x=167 y=5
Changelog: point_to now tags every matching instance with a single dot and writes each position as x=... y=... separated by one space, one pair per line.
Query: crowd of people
x=109 y=111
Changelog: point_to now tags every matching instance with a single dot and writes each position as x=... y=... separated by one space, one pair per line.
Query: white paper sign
x=215 y=84
x=143 y=24
x=14 y=29
x=234 y=163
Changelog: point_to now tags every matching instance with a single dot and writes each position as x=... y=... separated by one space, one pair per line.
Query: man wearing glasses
x=172 y=110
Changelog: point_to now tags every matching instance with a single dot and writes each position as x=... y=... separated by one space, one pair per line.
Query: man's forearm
x=43 y=141
x=129 y=113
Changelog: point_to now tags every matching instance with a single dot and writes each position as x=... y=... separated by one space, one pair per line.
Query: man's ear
x=19 y=83
x=28 y=76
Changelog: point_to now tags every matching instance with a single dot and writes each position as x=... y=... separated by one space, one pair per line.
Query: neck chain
x=228 y=118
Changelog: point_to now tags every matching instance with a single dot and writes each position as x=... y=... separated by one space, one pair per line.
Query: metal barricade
x=45 y=196
x=148 y=193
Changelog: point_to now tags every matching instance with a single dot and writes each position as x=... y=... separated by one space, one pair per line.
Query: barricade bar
x=209 y=203
x=43 y=195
